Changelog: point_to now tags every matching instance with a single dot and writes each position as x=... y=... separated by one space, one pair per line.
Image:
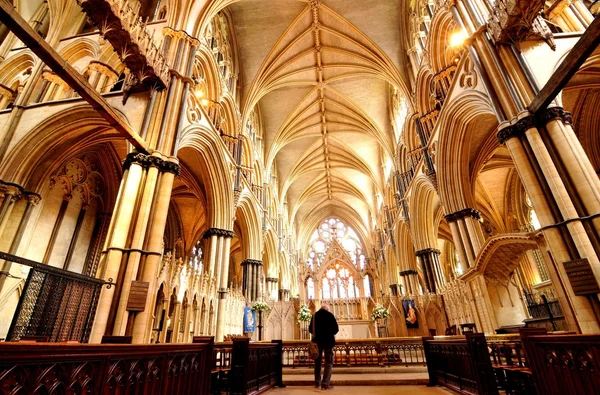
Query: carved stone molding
x=151 y=161
x=408 y=273
x=517 y=129
x=218 y=232
x=466 y=212
x=427 y=251
x=33 y=198
x=272 y=279
x=544 y=117
x=182 y=35
x=255 y=262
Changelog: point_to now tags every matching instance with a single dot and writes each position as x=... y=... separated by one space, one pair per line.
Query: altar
x=355 y=329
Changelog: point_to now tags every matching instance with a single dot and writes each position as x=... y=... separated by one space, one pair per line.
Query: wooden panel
x=138 y=294
x=104 y=369
x=564 y=365
x=581 y=277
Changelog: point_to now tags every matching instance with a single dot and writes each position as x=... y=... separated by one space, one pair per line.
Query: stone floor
x=351 y=390
x=365 y=376
x=347 y=379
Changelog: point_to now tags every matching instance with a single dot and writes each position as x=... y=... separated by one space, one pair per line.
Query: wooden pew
x=220 y=364
x=35 y=368
x=256 y=367
x=564 y=364
x=461 y=364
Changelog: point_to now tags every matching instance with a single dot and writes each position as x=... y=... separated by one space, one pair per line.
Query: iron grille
x=55 y=304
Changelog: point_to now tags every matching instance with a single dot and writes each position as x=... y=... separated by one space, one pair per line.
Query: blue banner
x=249 y=319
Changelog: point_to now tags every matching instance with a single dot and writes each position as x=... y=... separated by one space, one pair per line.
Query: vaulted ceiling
x=321 y=73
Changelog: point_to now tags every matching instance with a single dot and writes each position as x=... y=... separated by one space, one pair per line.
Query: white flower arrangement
x=260 y=306
x=304 y=313
x=380 y=312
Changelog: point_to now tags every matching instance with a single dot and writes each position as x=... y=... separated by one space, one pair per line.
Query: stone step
x=361 y=370
x=363 y=379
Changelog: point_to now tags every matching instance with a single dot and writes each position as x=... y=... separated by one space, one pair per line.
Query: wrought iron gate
x=57 y=304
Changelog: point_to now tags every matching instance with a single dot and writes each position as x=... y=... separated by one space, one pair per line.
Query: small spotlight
x=199 y=94
x=205 y=102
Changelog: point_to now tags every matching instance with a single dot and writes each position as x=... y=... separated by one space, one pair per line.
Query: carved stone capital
x=427 y=251
x=151 y=161
x=33 y=198
x=218 y=232
x=255 y=262
x=11 y=189
x=517 y=129
x=103 y=69
x=180 y=34
x=408 y=273
x=466 y=212
x=548 y=115
x=272 y=279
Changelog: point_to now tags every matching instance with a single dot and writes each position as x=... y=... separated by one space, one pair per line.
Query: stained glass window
x=338 y=280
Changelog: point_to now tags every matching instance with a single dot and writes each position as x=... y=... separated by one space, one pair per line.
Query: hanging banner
x=410 y=313
x=249 y=319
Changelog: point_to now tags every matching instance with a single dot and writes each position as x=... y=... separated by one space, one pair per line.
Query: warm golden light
x=199 y=93
x=458 y=39
x=205 y=102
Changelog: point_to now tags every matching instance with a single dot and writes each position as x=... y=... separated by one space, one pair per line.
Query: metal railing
x=360 y=352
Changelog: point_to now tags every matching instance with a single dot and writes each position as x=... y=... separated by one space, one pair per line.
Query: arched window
x=330 y=230
x=196 y=257
x=345 y=263
x=218 y=38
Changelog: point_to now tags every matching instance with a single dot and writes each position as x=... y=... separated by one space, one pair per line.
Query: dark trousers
x=328 y=366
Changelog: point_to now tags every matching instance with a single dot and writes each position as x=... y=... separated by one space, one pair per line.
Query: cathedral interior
x=167 y=164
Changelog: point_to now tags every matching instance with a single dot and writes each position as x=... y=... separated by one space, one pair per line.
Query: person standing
x=325 y=329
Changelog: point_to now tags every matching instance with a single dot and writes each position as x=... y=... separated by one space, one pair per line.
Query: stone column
x=219 y=242
x=251 y=278
x=134 y=243
x=176 y=321
x=549 y=178
x=32 y=200
x=467 y=235
x=429 y=261
x=154 y=210
x=12 y=193
x=411 y=279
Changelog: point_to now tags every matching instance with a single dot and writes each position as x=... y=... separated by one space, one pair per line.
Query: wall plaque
x=581 y=277
x=137 y=296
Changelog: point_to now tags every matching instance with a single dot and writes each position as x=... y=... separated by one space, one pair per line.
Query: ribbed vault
x=321 y=73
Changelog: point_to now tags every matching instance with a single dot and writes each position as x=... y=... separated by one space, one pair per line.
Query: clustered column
x=11 y=195
x=133 y=245
x=284 y=295
x=252 y=269
x=565 y=192
x=467 y=234
x=218 y=246
x=429 y=260
x=271 y=287
x=410 y=282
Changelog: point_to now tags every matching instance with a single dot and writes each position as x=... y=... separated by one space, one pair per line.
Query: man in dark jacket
x=325 y=329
